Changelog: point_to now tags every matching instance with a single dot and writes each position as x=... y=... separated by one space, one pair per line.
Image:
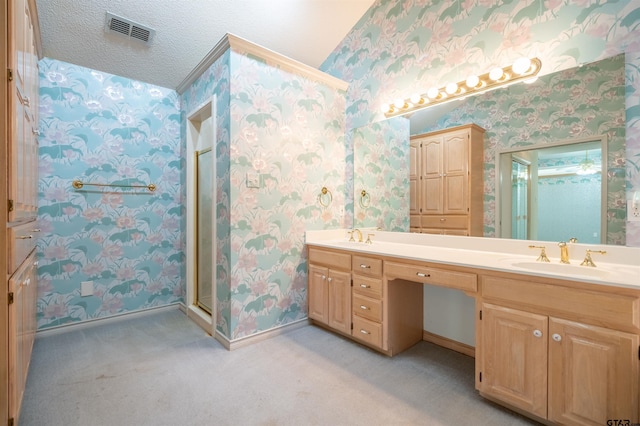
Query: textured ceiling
x=186 y=30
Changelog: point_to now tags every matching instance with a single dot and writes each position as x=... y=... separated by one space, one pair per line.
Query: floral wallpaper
x=572 y=104
x=290 y=131
x=381 y=164
x=101 y=128
x=406 y=46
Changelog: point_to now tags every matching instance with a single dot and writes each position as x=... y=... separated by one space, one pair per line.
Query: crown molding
x=274 y=59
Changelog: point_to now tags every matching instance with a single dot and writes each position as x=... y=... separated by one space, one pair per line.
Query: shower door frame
x=204 y=111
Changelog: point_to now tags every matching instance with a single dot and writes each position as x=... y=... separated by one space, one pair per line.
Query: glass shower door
x=204 y=230
x=519 y=200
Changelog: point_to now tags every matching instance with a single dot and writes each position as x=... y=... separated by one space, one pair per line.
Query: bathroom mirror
x=553 y=192
x=562 y=106
x=381 y=199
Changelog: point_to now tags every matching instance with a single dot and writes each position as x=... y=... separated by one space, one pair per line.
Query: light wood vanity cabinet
x=447 y=198
x=570 y=360
x=367 y=303
x=330 y=289
x=560 y=351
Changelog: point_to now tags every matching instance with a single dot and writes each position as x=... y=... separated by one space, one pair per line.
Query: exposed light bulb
x=385 y=108
x=399 y=103
x=472 y=81
x=416 y=99
x=451 y=88
x=433 y=93
x=496 y=74
x=521 y=66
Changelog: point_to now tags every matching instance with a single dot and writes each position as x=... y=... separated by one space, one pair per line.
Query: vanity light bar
x=522 y=69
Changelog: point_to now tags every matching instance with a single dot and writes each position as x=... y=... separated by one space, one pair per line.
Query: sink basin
x=561 y=269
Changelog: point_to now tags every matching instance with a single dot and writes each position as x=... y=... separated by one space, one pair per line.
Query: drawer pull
x=24 y=237
x=364 y=331
x=442 y=219
x=363 y=266
x=329 y=279
x=423 y=275
x=363 y=307
x=35 y=230
x=365 y=286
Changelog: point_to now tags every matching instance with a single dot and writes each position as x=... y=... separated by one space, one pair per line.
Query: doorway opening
x=201 y=221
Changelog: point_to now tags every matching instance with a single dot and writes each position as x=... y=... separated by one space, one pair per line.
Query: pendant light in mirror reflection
x=523 y=69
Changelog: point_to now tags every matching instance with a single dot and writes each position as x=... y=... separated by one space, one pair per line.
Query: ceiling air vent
x=119 y=25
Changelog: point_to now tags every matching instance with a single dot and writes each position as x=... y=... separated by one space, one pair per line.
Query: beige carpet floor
x=161 y=369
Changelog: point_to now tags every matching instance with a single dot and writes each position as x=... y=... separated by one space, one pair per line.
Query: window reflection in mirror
x=554 y=192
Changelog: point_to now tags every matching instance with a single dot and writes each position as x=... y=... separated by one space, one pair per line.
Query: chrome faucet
x=564 y=250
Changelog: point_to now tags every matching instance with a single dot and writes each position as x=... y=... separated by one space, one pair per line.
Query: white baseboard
x=258 y=337
x=99 y=321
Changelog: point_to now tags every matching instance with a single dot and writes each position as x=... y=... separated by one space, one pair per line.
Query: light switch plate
x=633 y=213
x=86 y=288
x=253 y=180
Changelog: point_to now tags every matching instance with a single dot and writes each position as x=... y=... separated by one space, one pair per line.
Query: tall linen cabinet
x=19 y=129
x=446 y=182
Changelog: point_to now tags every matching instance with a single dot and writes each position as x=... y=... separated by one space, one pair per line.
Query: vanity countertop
x=620 y=266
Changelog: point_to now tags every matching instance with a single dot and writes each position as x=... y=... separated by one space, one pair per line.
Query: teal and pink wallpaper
x=406 y=46
x=576 y=103
x=290 y=131
x=101 y=128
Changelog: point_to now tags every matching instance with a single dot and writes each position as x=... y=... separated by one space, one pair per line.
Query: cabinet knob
x=537 y=333
x=329 y=279
x=324 y=277
x=556 y=337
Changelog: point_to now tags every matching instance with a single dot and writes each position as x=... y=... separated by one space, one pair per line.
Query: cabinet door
x=318 y=294
x=431 y=176
x=455 y=172
x=340 y=300
x=514 y=357
x=414 y=177
x=593 y=374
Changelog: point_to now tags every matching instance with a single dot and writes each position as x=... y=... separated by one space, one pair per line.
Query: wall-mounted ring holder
x=325 y=197
x=365 y=199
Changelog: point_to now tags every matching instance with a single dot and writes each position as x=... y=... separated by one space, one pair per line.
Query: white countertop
x=620 y=266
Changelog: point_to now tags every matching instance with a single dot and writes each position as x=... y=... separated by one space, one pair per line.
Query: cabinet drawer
x=444 y=221
x=608 y=309
x=367 y=307
x=22 y=240
x=329 y=258
x=371 y=287
x=461 y=280
x=367 y=331
x=414 y=221
x=367 y=266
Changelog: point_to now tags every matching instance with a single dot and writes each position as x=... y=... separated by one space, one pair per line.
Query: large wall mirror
x=553 y=192
x=580 y=104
